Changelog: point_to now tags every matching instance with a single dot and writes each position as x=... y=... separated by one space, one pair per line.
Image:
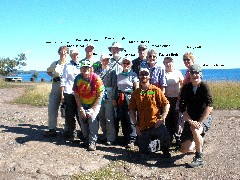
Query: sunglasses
x=195 y=72
x=143 y=73
x=126 y=63
x=186 y=59
x=152 y=56
x=141 y=49
x=64 y=52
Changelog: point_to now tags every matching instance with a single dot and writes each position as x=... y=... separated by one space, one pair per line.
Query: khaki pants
x=53 y=106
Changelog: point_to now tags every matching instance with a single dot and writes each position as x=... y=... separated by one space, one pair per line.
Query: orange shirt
x=147 y=104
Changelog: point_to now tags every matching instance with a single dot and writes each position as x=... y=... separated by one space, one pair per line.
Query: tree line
x=10 y=66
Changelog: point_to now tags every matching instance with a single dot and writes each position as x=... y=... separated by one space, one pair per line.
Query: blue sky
x=214 y=26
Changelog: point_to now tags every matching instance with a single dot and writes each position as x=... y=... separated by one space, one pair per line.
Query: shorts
x=187 y=133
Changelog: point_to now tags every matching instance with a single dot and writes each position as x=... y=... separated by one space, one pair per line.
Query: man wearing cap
x=105 y=115
x=70 y=71
x=147 y=100
x=141 y=61
x=88 y=89
x=196 y=106
x=116 y=59
x=89 y=49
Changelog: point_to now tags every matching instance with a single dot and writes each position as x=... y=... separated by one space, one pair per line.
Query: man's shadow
x=133 y=156
x=29 y=132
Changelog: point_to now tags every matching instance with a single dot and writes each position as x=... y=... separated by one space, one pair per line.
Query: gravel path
x=25 y=154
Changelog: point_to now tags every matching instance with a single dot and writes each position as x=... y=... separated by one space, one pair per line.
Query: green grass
x=109 y=173
x=226 y=95
x=36 y=94
x=4 y=84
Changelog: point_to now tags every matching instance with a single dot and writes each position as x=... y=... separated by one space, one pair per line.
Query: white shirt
x=70 y=71
x=173 y=85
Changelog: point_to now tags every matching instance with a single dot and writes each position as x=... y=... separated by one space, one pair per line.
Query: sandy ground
x=26 y=154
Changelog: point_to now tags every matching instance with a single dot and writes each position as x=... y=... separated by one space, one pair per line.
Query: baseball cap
x=143 y=70
x=90 y=44
x=74 y=50
x=196 y=68
x=127 y=58
x=144 y=46
x=104 y=56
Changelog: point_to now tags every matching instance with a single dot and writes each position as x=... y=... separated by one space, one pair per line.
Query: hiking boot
x=50 y=133
x=130 y=145
x=196 y=162
x=92 y=147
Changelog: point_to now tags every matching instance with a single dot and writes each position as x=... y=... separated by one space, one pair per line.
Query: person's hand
x=62 y=99
x=159 y=122
x=84 y=116
x=195 y=124
x=91 y=112
x=138 y=130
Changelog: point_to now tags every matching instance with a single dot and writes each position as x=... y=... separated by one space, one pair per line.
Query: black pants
x=71 y=113
x=171 y=121
x=151 y=134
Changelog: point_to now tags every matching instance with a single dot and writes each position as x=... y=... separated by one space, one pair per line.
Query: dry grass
x=36 y=94
x=226 y=95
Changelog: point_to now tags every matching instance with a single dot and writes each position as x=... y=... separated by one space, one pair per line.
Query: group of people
x=150 y=101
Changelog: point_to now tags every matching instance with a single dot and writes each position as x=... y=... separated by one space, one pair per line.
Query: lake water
x=208 y=75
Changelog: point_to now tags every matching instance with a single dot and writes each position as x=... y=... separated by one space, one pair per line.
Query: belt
x=56 y=79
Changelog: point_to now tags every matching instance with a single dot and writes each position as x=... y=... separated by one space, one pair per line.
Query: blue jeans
x=128 y=128
x=90 y=128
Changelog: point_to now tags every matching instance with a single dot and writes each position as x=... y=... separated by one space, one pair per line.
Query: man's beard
x=144 y=80
x=116 y=56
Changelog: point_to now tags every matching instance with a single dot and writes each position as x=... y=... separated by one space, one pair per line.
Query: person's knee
x=184 y=150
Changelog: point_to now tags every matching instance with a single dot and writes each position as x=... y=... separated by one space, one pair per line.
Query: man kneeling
x=147 y=101
x=196 y=106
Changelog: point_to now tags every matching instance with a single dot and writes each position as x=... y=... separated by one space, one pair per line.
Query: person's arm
x=63 y=82
x=136 y=85
x=79 y=105
x=163 y=115
x=61 y=91
x=51 y=68
x=133 y=117
x=97 y=100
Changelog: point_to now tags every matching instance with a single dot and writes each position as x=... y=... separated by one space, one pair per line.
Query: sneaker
x=50 y=133
x=130 y=145
x=92 y=147
x=196 y=162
